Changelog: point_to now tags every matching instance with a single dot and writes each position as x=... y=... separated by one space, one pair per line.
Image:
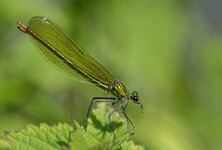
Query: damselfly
x=70 y=57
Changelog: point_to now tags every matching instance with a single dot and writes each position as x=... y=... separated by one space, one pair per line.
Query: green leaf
x=99 y=134
x=63 y=136
x=4 y=145
x=40 y=138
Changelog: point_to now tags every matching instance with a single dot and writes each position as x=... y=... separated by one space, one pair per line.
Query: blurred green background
x=170 y=51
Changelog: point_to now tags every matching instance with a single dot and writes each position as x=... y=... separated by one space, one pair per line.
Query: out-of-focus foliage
x=170 y=51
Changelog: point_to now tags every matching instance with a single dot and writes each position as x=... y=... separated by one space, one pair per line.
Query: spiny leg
x=124 y=113
x=110 y=116
x=113 y=104
x=105 y=99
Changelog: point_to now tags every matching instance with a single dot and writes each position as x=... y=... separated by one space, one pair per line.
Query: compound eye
x=135 y=97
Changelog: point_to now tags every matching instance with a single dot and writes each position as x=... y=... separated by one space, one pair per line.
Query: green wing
x=66 y=53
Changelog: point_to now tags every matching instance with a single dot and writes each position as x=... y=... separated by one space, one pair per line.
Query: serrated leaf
x=41 y=138
x=99 y=135
x=100 y=127
x=62 y=136
x=4 y=145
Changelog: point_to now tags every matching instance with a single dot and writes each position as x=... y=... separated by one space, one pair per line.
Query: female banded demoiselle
x=70 y=57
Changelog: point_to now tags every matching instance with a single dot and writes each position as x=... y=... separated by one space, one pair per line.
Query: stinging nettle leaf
x=63 y=136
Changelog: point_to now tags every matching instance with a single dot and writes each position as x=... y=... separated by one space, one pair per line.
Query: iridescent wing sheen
x=66 y=53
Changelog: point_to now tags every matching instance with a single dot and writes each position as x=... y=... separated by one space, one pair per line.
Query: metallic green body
x=67 y=55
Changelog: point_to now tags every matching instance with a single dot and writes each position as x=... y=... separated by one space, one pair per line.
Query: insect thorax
x=118 y=89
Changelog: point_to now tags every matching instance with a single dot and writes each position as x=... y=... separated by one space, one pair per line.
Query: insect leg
x=124 y=113
x=97 y=100
x=110 y=116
